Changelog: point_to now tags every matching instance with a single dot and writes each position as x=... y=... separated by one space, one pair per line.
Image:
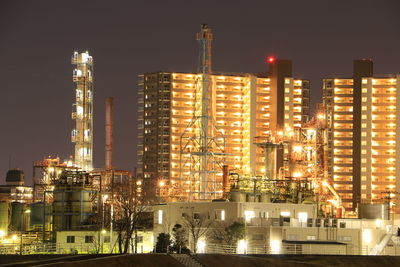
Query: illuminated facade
x=15 y=189
x=338 y=99
x=362 y=121
x=380 y=125
x=82 y=111
x=246 y=106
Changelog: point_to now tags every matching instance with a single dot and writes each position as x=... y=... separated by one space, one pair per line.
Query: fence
x=281 y=248
x=48 y=248
x=291 y=249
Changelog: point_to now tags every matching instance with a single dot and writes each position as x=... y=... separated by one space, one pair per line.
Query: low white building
x=280 y=228
x=99 y=242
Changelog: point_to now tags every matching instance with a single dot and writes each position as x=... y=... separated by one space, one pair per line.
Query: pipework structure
x=204 y=148
x=46 y=173
x=82 y=111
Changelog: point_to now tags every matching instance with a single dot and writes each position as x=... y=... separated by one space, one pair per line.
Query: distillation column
x=82 y=111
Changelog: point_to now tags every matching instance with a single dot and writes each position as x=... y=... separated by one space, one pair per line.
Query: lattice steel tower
x=203 y=148
x=82 y=110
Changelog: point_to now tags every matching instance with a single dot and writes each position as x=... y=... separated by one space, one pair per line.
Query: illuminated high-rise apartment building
x=246 y=106
x=363 y=122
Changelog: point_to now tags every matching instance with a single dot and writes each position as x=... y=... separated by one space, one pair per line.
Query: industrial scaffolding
x=74 y=201
x=82 y=111
x=45 y=173
x=202 y=144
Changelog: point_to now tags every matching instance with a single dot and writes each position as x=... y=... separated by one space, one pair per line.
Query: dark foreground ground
x=163 y=260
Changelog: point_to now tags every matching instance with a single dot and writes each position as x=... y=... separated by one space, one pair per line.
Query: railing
x=280 y=248
x=48 y=248
x=291 y=249
x=34 y=248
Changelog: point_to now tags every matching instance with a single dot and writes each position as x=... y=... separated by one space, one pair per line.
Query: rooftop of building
x=376 y=76
x=15 y=175
x=219 y=73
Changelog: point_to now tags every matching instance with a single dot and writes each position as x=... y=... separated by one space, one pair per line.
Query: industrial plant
x=227 y=163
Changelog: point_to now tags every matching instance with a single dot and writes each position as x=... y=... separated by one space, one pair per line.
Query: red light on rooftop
x=271 y=59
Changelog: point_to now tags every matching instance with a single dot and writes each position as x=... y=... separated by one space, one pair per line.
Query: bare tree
x=179 y=239
x=197 y=225
x=131 y=213
x=225 y=234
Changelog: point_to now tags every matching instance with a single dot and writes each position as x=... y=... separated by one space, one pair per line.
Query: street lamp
x=103 y=231
x=104 y=197
x=22 y=227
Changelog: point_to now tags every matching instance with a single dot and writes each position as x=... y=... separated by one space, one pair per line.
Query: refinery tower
x=82 y=111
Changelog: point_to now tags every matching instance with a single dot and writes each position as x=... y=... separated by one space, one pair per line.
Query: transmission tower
x=202 y=144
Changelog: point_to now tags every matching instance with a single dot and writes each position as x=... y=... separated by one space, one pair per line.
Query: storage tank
x=251 y=198
x=237 y=196
x=265 y=198
x=37 y=214
x=17 y=213
x=373 y=211
x=72 y=209
x=4 y=216
x=72 y=202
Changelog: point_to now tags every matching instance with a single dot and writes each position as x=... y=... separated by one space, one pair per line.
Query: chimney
x=109 y=133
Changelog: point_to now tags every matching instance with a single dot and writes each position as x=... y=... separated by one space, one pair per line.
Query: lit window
x=303 y=216
x=160 y=216
x=363 y=143
x=285 y=214
x=249 y=214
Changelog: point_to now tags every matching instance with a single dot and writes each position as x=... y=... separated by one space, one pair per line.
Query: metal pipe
x=225 y=180
x=109 y=133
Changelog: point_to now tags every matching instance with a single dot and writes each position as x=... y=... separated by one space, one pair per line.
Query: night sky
x=126 y=38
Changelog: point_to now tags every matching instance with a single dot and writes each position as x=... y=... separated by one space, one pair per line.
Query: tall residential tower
x=363 y=121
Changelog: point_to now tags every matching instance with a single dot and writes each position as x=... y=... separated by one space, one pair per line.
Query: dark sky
x=127 y=38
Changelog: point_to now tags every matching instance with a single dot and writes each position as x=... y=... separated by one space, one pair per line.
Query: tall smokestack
x=109 y=133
